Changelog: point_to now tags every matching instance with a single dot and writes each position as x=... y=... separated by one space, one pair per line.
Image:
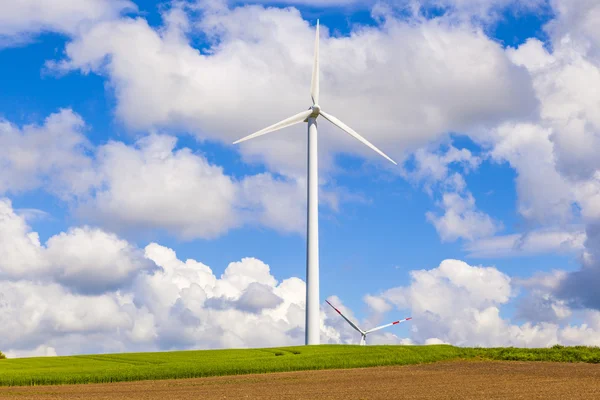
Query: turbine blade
x=280 y=125
x=347 y=320
x=314 y=84
x=353 y=133
x=386 y=325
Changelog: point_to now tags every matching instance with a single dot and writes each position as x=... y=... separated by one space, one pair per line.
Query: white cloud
x=20 y=19
x=20 y=249
x=487 y=11
x=154 y=185
x=70 y=305
x=461 y=304
x=51 y=155
x=544 y=194
x=319 y=3
x=456 y=303
x=540 y=306
x=542 y=280
x=554 y=155
x=258 y=297
x=40 y=351
x=432 y=168
x=245 y=307
x=433 y=341
x=587 y=194
x=579 y=287
x=564 y=82
x=418 y=81
x=82 y=259
x=278 y=203
x=37 y=315
x=461 y=219
x=584 y=333
x=151 y=184
x=91 y=260
x=377 y=304
x=182 y=304
x=578 y=20
x=530 y=243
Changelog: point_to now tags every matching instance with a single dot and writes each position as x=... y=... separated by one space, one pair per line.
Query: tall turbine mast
x=312 y=329
x=312 y=246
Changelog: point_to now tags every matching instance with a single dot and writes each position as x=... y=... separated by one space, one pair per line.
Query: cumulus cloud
x=461 y=304
x=50 y=155
x=539 y=306
x=563 y=80
x=430 y=76
x=461 y=219
x=154 y=185
x=21 y=19
x=82 y=259
x=544 y=194
x=90 y=291
x=319 y=3
x=579 y=21
x=92 y=260
x=40 y=351
x=486 y=11
x=150 y=184
x=554 y=156
x=377 y=304
x=433 y=168
x=529 y=243
x=558 y=172
x=580 y=288
x=177 y=304
x=418 y=81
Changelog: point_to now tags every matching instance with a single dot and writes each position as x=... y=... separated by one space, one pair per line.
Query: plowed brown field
x=444 y=380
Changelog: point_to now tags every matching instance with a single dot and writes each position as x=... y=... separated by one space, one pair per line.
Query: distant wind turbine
x=363 y=334
x=312 y=259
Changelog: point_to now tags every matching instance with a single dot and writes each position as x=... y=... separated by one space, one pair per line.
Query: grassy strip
x=192 y=364
x=555 y=354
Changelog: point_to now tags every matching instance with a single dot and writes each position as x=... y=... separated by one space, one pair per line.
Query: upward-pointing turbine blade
x=347 y=320
x=314 y=84
x=352 y=133
x=386 y=325
x=300 y=117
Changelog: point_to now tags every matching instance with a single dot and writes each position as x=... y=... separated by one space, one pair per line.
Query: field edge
x=128 y=367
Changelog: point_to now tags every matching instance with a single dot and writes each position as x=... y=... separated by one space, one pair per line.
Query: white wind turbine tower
x=312 y=259
x=363 y=334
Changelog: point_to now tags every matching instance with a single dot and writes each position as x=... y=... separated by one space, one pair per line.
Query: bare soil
x=444 y=380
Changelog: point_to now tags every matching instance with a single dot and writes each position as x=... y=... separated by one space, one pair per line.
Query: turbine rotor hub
x=316 y=110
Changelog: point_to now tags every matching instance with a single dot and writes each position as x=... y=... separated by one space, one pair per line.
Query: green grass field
x=190 y=364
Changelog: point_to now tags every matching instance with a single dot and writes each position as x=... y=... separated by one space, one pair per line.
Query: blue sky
x=460 y=96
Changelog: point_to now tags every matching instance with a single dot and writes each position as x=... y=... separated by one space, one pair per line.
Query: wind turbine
x=363 y=337
x=312 y=251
